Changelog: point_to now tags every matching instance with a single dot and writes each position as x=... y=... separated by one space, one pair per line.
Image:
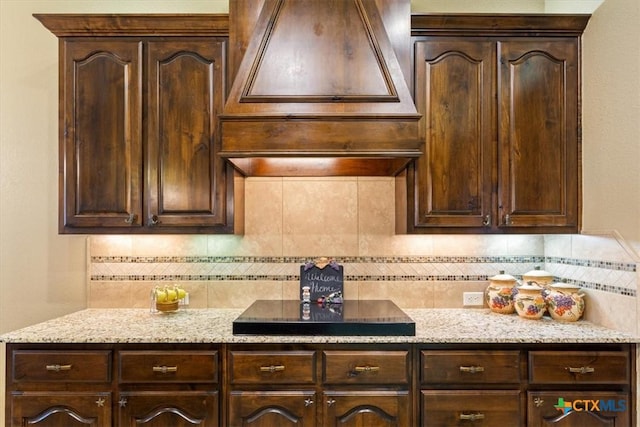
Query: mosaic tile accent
x=618 y=278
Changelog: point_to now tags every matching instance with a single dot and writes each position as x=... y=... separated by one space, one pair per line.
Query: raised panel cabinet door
x=538 y=133
x=185 y=176
x=60 y=409
x=272 y=408
x=168 y=408
x=578 y=409
x=455 y=95
x=100 y=141
x=371 y=408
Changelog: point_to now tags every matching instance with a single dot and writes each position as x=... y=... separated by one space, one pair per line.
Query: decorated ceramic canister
x=539 y=276
x=500 y=293
x=530 y=302
x=565 y=302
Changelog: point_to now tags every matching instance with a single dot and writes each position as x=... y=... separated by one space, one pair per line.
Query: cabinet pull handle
x=472 y=417
x=366 y=368
x=472 y=369
x=165 y=369
x=58 y=368
x=331 y=401
x=272 y=368
x=131 y=219
x=308 y=401
x=486 y=221
x=363 y=369
x=582 y=370
x=507 y=219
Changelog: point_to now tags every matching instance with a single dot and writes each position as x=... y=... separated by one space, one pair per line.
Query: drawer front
x=63 y=366
x=168 y=366
x=366 y=367
x=579 y=367
x=472 y=408
x=470 y=367
x=272 y=367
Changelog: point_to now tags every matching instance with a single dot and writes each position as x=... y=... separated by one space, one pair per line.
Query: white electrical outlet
x=473 y=299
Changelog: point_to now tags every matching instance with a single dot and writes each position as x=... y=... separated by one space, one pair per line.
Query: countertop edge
x=213 y=326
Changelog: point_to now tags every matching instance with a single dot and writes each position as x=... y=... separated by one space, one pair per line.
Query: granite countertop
x=215 y=326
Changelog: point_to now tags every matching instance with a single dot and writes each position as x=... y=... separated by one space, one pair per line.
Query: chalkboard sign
x=323 y=280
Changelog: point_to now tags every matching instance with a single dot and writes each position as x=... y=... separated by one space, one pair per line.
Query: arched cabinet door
x=379 y=408
x=168 y=408
x=454 y=94
x=272 y=408
x=538 y=162
x=578 y=409
x=61 y=409
x=101 y=134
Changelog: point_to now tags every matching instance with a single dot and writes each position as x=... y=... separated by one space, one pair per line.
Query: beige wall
x=611 y=121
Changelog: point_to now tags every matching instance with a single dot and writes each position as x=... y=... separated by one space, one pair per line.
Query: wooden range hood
x=319 y=88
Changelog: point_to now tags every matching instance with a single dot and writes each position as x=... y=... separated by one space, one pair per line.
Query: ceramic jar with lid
x=565 y=302
x=500 y=293
x=539 y=276
x=529 y=301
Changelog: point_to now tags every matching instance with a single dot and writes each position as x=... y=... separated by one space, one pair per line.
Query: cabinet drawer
x=366 y=367
x=461 y=408
x=63 y=366
x=470 y=367
x=272 y=367
x=168 y=366
x=578 y=367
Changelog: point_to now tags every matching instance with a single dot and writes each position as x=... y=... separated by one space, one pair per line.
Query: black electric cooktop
x=292 y=317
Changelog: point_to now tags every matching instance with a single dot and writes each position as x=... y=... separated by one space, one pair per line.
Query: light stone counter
x=214 y=326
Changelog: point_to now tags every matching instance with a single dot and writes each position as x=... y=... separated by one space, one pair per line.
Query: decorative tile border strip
x=375 y=269
x=302 y=260
x=609 y=265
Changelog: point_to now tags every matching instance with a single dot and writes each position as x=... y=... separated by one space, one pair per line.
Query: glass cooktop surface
x=351 y=317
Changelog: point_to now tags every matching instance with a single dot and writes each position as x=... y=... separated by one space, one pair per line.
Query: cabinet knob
x=308 y=401
x=507 y=219
x=154 y=220
x=331 y=401
x=486 y=221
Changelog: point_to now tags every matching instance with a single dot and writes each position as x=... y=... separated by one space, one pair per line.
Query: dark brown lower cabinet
x=578 y=409
x=377 y=408
x=168 y=408
x=60 y=409
x=272 y=408
x=321 y=385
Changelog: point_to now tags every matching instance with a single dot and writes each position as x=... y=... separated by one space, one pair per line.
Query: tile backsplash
x=285 y=227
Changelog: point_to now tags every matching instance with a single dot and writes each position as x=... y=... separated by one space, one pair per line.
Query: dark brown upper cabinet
x=500 y=132
x=139 y=131
x=320 y=88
